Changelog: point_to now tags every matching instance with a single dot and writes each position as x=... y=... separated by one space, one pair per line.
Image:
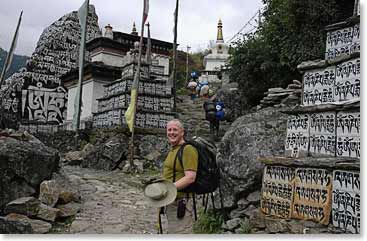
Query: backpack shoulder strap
x=179 y=155
x=180 y=152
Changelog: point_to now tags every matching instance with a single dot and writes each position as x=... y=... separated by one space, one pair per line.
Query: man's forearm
x=184 y=182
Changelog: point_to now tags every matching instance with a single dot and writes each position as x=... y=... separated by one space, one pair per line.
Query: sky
x=197 y=20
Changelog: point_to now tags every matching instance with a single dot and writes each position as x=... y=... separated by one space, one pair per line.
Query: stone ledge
x=340 y=106
x=349 y=22
x=349 y=163
x=319 y=64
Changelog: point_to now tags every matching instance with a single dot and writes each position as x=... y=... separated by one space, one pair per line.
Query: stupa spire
x=133 y=31
x=220 y=32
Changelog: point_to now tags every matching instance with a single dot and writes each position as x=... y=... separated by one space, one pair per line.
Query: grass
x=208 y=223
x=245 y=228
x=62 y=226
x=182 y=91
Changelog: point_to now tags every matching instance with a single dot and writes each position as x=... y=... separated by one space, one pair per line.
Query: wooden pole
x=174 y=57
x=187 y=63
x=136 y=81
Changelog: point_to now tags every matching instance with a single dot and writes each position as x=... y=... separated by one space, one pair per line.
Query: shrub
x=208 y=223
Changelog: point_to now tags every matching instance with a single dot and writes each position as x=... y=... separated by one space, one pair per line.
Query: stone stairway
x=192 y=114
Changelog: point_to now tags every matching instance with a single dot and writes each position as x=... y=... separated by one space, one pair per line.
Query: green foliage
x=195 y=64
x=245 y=228
x=93 y=137
x=208 y=223
x=62 y=225
x=292 y=31
x=83 y=143
x=182 y=91
x=17 y=63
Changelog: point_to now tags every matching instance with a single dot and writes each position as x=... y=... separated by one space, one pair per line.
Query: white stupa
x=217 y=59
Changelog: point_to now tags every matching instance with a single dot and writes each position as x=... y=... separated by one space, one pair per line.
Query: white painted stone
x=297 y=140
x=343 y=41
x=348 y=78
x=346 y=200
x=318 y=86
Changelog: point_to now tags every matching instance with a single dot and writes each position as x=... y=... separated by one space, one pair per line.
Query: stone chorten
x=108 y=32
x=217 y=59
x=133 y=31
x=219 y=54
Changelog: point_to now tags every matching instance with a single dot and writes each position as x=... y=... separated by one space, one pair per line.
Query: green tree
x=195 y=64
x=292 y=31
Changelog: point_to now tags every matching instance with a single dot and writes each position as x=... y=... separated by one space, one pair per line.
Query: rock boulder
x=24 y=163
x=257 y=134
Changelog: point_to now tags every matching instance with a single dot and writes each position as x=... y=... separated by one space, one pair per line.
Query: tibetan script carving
x=297 y=139
x=343 y=41
x=312 y=195
x=322 y=133
x=346 y=200
x=277 y=191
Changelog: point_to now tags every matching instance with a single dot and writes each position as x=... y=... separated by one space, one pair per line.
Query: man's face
x=174 y=133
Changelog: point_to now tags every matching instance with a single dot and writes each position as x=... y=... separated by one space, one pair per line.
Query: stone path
x=192 y=114
x=112 y=202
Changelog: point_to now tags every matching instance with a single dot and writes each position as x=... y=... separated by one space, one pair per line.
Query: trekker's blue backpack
x=219 y=115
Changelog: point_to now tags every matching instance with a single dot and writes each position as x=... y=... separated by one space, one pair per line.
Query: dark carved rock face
x=35 y=93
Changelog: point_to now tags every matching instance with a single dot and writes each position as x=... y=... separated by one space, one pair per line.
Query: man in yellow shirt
x=180 y=212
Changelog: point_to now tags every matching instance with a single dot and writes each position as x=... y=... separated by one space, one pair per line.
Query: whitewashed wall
x=108 y=59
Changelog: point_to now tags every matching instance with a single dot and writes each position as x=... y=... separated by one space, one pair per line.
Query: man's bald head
x=177 y=122
x=175 y=132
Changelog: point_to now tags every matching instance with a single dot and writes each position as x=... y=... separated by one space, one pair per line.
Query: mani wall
x=35 y=95
x=155 y=98
x=319 y=177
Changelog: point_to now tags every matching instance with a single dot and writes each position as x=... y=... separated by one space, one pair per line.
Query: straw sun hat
x=160 y=193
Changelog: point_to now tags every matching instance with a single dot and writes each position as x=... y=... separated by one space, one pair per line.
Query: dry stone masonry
x=319 y=179
x=155 y=98
x=36 y=95
x=279 y=97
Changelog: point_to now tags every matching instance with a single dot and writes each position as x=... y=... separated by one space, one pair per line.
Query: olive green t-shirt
x=189 y=160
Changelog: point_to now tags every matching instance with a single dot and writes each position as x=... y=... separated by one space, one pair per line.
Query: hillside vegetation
x=291 y=31
x=18 y=62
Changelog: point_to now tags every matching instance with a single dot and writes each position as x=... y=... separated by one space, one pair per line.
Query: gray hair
x=179 y=123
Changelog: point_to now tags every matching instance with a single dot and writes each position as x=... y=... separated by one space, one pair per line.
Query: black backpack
x=207 y=176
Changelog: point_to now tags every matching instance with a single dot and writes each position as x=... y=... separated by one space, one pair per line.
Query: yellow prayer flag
x=129 y=114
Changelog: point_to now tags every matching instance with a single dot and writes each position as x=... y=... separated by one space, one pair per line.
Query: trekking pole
x=206 y=202
x=160 y=231
x=194 y=203
x=221 y=201
x=212 y=197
